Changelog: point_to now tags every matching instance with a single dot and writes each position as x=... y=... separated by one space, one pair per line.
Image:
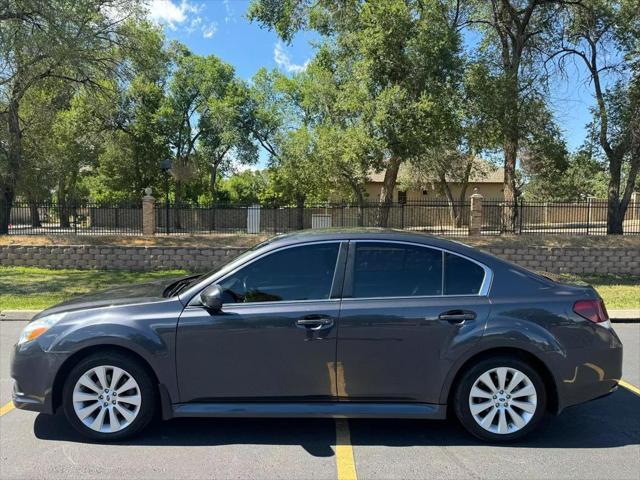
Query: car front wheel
x=500 y=399
x=108 y=396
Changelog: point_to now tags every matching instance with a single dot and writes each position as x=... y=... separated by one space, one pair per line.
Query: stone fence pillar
x=475 y=221
x=148 y=214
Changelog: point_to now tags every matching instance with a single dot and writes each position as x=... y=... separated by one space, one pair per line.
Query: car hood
x=120 y=295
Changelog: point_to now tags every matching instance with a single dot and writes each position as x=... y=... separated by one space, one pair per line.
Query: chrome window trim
x=275 y=302
x=265 y=254
x=485 y=287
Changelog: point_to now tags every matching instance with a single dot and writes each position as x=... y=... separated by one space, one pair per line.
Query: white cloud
x=194 y=24
x=171 y=13
x=209 y=30
x=230 y=13
x=184 y=14
x=282 y=59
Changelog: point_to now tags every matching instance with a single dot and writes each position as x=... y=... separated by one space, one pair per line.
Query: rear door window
x=396 y=270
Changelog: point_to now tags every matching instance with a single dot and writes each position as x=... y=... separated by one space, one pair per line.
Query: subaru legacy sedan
x=355 y=323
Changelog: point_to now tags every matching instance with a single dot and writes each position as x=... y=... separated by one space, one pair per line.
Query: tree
x=71 y=41
x=129 y=117
x=225 y=134
x=246 y=187
x=39 y=111
x=284 y=120
x=395 y=62
x=516 y=35
x=603 y=35
x=474 y=131
x=203 y=117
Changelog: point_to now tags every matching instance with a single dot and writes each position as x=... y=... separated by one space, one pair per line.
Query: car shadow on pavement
x=609 y=422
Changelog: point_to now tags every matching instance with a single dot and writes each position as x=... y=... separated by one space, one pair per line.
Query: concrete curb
x=617 y=316
x=18 y=315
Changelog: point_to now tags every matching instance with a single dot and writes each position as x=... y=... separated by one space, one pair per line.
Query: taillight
x=593 y=310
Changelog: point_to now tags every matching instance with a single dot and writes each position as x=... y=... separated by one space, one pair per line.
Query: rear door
x=408 y=312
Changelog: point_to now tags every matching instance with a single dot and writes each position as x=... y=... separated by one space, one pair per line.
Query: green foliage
x=90 y=106
x=247 y=187
x=203 y=118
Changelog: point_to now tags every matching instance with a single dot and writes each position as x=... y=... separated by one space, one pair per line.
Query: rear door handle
x=457 y=316
x=315 y=323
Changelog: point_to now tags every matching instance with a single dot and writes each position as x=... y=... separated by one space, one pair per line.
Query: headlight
x=38 y=327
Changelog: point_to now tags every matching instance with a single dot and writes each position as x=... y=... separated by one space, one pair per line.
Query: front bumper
x=34 y=372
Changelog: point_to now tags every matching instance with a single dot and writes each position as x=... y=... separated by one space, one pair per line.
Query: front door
x=408 y=313
x=275 y=337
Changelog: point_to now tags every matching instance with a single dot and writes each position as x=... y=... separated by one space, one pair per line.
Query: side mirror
x=211 y=297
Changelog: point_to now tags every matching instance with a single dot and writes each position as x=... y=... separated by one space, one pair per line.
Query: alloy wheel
x=106 y=399
x=503 y=400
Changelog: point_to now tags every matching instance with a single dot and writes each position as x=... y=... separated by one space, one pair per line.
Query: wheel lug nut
x=100 y=397
x=501 y=391
x=505 y=404
x=114 y=402
x=495 y=396
x=508 y=396
x=497 y=404
x=106 y=404
x=115 y=394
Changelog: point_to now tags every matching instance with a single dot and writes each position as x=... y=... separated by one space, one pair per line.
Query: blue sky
x=220 y=27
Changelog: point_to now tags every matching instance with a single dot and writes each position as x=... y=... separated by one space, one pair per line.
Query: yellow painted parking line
x=630 y=387
x=6 y=408
x=344 y=451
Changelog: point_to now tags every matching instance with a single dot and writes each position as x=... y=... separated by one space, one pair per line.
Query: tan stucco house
x=489 y=185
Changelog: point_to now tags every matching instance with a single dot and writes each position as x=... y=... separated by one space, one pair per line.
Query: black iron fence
x=434 y=216
x=588 y=217
x=84 y=218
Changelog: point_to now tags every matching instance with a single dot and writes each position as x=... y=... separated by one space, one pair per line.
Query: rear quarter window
x=461 y=276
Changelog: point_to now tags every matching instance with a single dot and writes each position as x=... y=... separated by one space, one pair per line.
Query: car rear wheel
x=500 y=399
x=109 y=396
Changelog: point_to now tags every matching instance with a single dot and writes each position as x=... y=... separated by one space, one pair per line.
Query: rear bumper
x=587 y=374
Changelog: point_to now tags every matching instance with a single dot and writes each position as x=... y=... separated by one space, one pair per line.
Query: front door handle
x=315 y=323
x=457 y=316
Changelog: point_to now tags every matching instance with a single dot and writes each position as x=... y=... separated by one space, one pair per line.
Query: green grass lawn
x=25 y=288
x=617 y=291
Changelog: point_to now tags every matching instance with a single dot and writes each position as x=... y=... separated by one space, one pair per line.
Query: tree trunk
x=511 y=140
x=454 y=211
x=359 y=196
x=35 y=215
x=361 y=207
x=63 y=208
x=177 y=221
x=6 y=202
x=14 y=157
x=615 y=216
x=300 y=198
x=213 y=180
x=386 y=194
x=463 y=189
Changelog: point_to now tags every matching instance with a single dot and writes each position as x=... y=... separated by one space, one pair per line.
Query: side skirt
x=312 y=410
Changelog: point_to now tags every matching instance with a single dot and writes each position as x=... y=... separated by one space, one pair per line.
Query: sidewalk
x=617 y=316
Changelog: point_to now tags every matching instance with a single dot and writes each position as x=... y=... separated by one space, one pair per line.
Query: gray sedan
x=355 y=323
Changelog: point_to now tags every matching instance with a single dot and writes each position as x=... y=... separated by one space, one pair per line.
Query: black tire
x=463 y=391
x=131 y=366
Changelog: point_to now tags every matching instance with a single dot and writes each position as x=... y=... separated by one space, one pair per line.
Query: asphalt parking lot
x=600 y=439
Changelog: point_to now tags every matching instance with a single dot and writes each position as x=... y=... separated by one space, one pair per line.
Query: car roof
x=382 y=234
